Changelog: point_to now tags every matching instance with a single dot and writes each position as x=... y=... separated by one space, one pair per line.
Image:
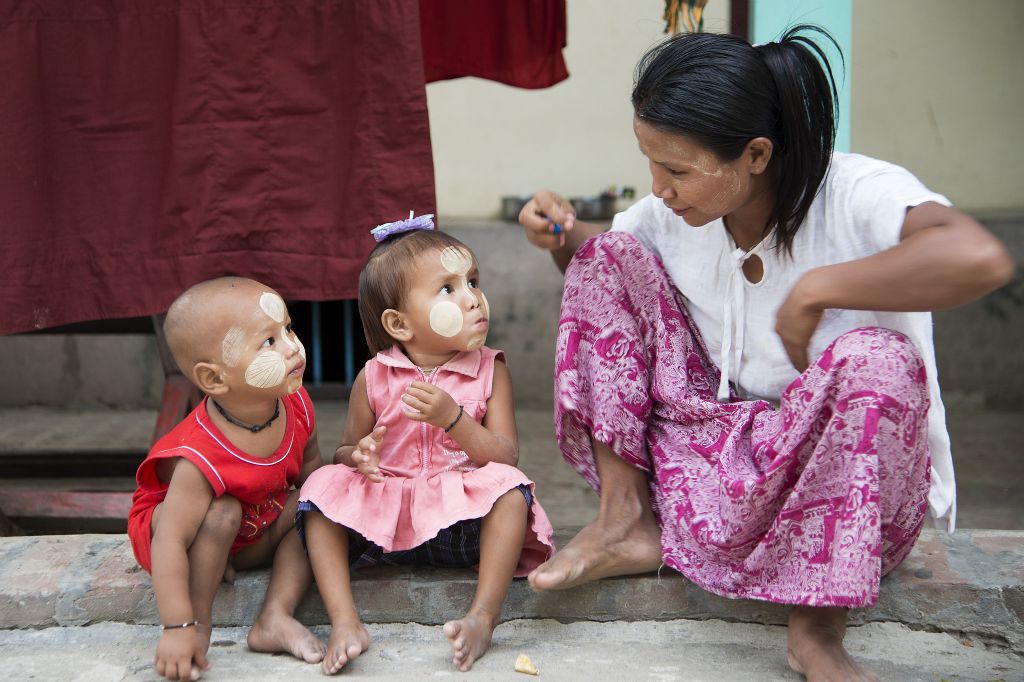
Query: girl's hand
x=429 y=404
x=796 y=322
x=179 y=655
x=539 y=217
x=367 y=455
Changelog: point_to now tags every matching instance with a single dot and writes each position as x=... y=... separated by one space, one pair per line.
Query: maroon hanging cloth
x=516 y=43
x=146 y=146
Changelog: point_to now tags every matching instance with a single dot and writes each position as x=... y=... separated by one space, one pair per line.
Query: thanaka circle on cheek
x=266 y=370
x=456 y=260
x=273 y=306
x=446 y=319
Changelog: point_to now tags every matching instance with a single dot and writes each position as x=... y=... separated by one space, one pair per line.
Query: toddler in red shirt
x=218 y=492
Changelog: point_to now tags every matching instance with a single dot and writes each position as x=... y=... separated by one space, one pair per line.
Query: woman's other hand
x=796 y=321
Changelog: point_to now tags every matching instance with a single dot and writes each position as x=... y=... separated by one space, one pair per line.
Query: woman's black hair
x=723 y=92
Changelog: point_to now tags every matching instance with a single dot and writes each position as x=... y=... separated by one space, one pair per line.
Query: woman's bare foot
x=815 y=646
x=622 y=540
x=348 y=640
x=602 y=549
x=282 y=633
x=470 y=637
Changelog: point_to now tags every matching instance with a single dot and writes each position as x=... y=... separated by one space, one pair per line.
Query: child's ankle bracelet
x=178 y=626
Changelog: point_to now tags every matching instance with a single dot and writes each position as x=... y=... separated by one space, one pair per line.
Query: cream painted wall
x=938 y=88
x=492 y=140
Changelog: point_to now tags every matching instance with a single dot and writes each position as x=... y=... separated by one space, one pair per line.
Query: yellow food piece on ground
x=525 y=665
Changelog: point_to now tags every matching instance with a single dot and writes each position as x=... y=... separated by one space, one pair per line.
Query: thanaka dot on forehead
x=456 y=260
x=273 y=306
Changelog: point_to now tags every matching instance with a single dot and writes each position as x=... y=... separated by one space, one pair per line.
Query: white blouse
x=859 y=211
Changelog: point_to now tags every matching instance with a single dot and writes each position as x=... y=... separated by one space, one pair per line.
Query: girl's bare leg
x=622 y=540
x=276 y=629
x=815 y=645
x=329 y=557
x=501 y=542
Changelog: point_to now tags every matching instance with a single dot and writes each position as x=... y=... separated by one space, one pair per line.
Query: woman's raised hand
x=546 y=218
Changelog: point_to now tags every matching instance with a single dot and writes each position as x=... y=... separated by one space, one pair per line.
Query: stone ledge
x=970 y=583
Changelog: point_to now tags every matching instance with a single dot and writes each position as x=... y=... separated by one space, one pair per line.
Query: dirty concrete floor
x=646 y=650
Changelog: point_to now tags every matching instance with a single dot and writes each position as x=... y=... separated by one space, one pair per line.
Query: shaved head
x=199 y=319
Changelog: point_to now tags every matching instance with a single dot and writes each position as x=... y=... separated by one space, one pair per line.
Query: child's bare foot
x=272 y=633
x=601 y=550
x=348 y=640
x=470 y=637
x=815 y=646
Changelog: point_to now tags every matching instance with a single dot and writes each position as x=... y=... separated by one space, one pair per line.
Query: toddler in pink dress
x=426 y=470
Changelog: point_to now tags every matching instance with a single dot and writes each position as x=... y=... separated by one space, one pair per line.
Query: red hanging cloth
x=516 y=43
x=145 y=146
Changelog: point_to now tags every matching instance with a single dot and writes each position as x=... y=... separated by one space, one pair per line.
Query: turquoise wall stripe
x=769 y=18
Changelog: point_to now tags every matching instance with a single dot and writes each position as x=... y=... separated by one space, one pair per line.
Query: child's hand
x=430 y=404
x=179 y=655
x=367 y=455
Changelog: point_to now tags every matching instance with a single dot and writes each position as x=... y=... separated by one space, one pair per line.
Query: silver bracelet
x=454 y=421
x=181 y=625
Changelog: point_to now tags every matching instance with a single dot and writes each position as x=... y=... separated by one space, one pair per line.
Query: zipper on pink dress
x=424 y=426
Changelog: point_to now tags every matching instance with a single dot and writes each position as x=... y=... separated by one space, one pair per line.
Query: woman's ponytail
x=807 y=100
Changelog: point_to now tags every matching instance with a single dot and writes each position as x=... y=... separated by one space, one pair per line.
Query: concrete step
x=970 y=584
x=661 y=651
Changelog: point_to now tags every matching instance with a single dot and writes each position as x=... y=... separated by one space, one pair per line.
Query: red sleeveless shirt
x=260 y=484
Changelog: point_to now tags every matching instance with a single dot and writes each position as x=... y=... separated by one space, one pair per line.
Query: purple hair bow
x=422 y=222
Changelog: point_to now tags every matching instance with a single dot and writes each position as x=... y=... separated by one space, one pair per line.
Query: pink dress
x=429 y=481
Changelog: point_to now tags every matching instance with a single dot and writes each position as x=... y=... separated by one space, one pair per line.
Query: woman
x=743 y=370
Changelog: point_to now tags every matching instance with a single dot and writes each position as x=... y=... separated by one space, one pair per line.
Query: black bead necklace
x=255 y=428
